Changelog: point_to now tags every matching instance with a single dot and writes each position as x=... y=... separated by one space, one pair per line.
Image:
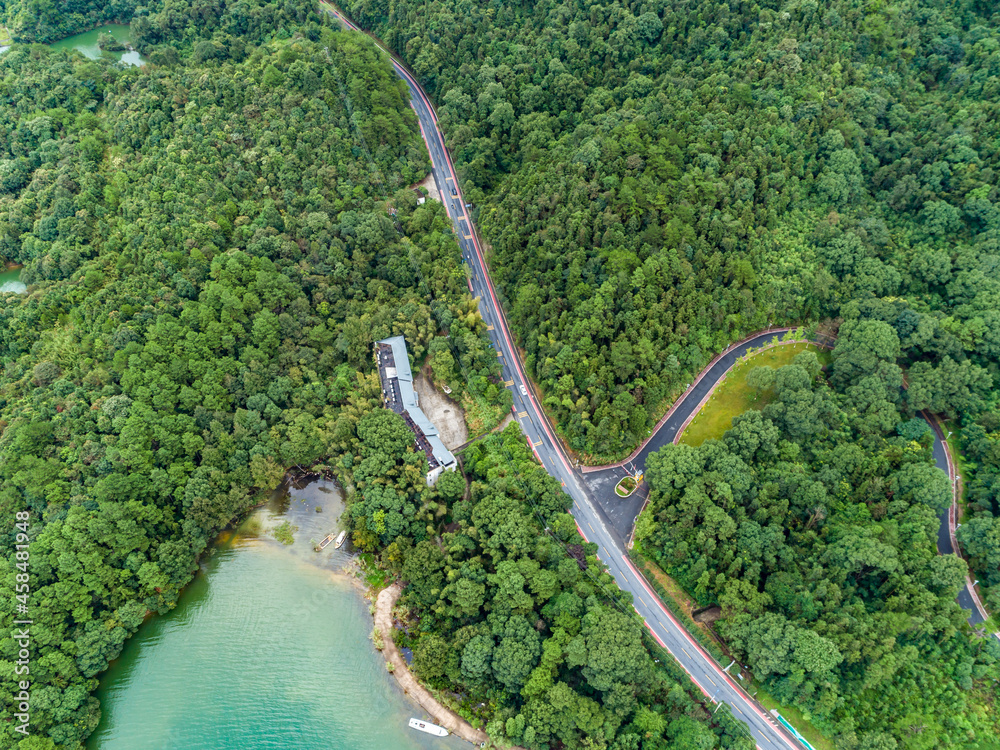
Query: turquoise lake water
x=268 y=648
x=87 y=44
x=10 y=281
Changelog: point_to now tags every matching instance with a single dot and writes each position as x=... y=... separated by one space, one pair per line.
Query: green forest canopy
x=659 y=178
x=813 y=524
x=209 y=259
x=526 y=627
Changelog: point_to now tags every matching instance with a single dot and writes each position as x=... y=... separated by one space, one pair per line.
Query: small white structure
x=425 y=726
x=398 y=394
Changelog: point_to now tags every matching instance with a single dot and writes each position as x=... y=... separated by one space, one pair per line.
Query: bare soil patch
x=446 y=415
x=431 y=186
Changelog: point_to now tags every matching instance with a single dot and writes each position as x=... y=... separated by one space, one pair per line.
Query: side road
x=600 y=478
x=708 y=675
x=592 y=519
x=736 y=349
x=947 y=541
x=440 y=714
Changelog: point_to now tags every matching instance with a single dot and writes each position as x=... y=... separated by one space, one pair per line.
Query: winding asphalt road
x=622 y=513
x=594 y=523
x=707 y=674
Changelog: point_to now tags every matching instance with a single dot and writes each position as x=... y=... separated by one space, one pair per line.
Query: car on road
x=453 y=191
x=524 y=391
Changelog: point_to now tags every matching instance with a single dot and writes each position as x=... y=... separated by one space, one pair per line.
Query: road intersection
x=607 y=532
x=706 y=673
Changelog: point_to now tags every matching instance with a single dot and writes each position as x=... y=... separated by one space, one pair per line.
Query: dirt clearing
x=442 y=411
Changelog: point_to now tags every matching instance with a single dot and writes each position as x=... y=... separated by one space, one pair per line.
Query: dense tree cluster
x=813 y=524
x=658 y=178
x=951 y=357
x=209 y=259
x=216 y=28
x=525 y=625
x=979 y=534
x=49 y=20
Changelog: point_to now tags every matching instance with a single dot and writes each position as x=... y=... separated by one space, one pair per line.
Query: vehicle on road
x=524 y=391
x=454 y=191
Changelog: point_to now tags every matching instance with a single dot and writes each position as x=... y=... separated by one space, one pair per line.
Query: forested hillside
x=525 y=627
x=48 y=20
x=209 y=258
x=230 y=24
x=658 y=178
x=813 y=525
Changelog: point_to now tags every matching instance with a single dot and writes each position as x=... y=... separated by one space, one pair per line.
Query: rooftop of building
x=397 y=385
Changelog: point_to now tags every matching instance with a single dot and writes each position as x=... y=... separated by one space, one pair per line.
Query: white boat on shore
x=424 y=726
x=340 y=540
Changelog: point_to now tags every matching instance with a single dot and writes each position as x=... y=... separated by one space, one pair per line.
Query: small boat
x=323 y=544
x=330 y=538
x=424 y=726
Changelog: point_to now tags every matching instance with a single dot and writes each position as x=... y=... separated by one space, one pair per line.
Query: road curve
x=708 y=675
x=622 y=513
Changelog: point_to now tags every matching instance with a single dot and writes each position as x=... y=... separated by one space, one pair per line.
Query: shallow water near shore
x=87 y=44
x=268 y=648
x=10 y=281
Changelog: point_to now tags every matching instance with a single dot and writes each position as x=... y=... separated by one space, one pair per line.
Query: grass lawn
x=794 y=717
x=626 y=486
x=732 y=396
x=681 y=597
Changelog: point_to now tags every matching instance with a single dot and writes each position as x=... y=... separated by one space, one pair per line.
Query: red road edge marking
x=682 y=398
x=693 y=642
x=482 y=261
x=503 y=326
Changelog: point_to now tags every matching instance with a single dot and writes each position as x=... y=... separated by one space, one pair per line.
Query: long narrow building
x=398 y=395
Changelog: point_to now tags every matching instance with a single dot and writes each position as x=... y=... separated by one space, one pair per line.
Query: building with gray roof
x=398 y=395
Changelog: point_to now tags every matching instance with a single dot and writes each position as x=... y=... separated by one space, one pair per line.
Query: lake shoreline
x=411 y=686
x=114 y=22
x=128 y=54
x=271 y=595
